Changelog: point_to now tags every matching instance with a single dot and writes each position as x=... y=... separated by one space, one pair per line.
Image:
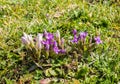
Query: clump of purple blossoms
x=55 y=47
x=50 y=42
x=81 y=36
x=97 y=40
x=75 y=39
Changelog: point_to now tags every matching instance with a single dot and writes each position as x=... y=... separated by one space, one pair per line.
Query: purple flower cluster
x=51 y=43
x=97 y=40
x=81 y=36
x=49 y=38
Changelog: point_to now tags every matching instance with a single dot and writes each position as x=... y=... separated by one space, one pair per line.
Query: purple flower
x=82 y=35
x=54 y=44
x=48 y=35
x=74 y=32
x=62 y=51
x=47 y=44
x=56 y=50
x=75 y=40
x=97 y=40
x=55 y=47
x=49 y=39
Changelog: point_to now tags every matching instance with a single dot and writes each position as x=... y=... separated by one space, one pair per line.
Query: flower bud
x=24 y=39
x=27 y=40
x=74 y=32
x=58 y=34
x=39 y=41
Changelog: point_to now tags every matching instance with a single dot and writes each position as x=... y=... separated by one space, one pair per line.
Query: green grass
x=33 y=16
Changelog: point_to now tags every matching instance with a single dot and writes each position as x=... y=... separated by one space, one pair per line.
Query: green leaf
x=50 y=72
x=8 y=81
x=82 y=72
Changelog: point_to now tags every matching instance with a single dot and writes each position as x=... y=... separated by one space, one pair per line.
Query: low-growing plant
x=50 y=45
